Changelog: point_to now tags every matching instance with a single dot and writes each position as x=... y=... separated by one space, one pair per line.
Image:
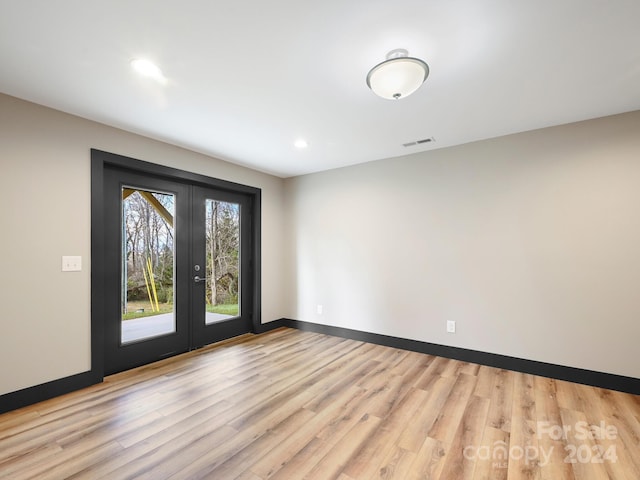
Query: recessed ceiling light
x=301 y=143
x=147 y=68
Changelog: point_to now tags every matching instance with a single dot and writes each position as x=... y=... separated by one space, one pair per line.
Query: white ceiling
x=248 y=78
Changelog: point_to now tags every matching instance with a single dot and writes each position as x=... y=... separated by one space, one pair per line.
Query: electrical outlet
x=451 y=326
x=319 y=309
x=71 y=263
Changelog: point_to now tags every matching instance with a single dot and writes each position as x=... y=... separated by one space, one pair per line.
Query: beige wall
x=45 y=185
x=530 y=242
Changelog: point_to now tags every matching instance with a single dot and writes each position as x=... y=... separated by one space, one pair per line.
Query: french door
x=220 y=303
x=178 y=267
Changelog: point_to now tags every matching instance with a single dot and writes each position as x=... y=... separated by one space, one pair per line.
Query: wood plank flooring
x=298 y=405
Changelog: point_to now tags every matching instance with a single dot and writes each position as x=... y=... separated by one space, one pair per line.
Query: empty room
x=340 y=240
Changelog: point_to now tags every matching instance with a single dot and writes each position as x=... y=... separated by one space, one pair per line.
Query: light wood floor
x=292 y=405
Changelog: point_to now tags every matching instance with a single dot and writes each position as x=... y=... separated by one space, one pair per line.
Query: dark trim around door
x=99 y=161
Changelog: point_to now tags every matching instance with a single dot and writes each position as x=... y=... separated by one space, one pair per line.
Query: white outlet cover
x=71 y=263
x=451 y=326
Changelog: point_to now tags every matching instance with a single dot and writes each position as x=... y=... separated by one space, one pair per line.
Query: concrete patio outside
x=155 y=325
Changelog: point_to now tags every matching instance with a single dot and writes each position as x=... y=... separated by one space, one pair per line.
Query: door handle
x=199 y=279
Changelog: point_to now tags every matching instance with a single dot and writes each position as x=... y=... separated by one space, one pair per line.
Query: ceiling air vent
x=419 y=142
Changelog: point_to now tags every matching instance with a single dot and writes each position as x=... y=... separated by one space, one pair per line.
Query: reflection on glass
x=147 y=264
x=223 y=261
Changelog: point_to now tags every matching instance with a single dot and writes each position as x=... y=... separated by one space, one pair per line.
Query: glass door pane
x=148 y=264
x=222 y=247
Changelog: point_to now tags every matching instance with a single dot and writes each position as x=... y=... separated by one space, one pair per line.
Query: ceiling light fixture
x=398 y=76
x=301 y=143
x=147 y=68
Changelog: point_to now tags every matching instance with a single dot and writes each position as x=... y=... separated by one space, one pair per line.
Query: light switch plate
x=71 y=263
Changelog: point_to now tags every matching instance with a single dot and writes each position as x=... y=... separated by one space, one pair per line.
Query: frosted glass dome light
x=398 y=76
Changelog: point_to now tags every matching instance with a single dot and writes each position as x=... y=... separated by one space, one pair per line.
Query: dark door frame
x=99 y=161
